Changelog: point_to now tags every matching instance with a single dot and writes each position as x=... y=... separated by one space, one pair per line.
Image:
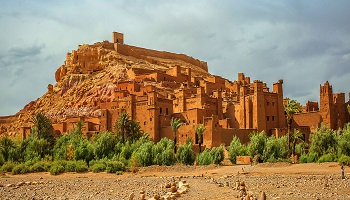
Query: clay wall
x=138 y=52
x=311 y=119
x=60 y=128
x=129 y=86
x=311 y=107
x=170 y=84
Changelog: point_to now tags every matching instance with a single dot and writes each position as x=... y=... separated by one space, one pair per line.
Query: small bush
x=217 y=153
x=308 y=158
x=119 y=172
x=7 y=166
x=163 y=152
x=98 y=167
x=114 y=166
x=311 y=157
x=185 y=153
x=204 y=158
x=303 y=158
x=144 y=154
x=76 y=166
x=327 y=158
x=134 y=165
x=57 y=168
x=345 y=159
x=20 y=169
x=234 y=149
x=40 y=166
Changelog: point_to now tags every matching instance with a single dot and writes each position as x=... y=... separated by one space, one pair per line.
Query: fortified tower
x=326 y=105
x=118 y=37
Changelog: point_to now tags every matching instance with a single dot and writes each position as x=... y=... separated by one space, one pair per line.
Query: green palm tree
x=296 y=137
x=5 y=145
x=134 y=130
x=175 y=124
x=122 y=125
x=199 y=130
x=291 y=108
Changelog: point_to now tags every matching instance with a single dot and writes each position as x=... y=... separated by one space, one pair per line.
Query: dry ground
x=278 y=181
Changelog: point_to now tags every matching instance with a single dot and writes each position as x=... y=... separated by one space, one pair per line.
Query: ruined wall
x=141 y=53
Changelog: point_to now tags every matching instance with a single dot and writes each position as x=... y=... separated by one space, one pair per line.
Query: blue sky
x=304 y=43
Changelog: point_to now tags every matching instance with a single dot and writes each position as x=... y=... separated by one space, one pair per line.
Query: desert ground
x=277 y=180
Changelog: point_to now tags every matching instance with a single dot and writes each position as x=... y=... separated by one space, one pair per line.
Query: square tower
x=118 y=37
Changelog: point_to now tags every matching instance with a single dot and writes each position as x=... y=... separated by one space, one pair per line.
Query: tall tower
x=277 y=88
x=259 y=112
x=326 y=105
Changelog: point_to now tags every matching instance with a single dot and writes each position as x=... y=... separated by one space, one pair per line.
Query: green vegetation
x=199 y=131
x=175 y=124
x=291 y=108
x=119 y=151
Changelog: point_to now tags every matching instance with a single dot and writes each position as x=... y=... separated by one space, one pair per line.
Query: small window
x=267 y=103
x=273 y=103
x=273 y=118
x=144 y=123
x=160 y=110
x=150 y=119
x=166 y=111
x=267 y=118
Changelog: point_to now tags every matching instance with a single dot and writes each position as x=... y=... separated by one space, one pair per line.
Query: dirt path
x=278 y=181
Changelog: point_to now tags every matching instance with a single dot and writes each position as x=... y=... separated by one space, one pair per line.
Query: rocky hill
x=90 y=74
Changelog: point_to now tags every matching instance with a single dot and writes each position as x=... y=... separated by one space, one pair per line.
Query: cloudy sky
x=304 y=43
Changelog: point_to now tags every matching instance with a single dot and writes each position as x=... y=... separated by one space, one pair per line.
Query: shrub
x=114 y=166
x=204 y=158
x=217 y=153
x=76 y=166
x=126 y=151
x=134 y=164
x=327 y=158
x=20 y=169
x=323 y=141
x=36 y=148
x=7 y=166
x=98 y=167
x=303 y=158
x=104 y=145
x=185 y=153
x=40 y=166
x=144 y=154
x=275 y=148
x=311 y=157
x=345 y=159
x=257 y=144
x=57 y=168
x=81 y=166
x=235 y=149
x=119 y=172
x=344 y=141
x=163 y=152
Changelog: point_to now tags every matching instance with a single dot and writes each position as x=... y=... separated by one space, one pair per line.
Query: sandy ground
x=278 y=181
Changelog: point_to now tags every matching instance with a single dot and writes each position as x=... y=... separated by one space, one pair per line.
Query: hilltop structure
x=98 y=82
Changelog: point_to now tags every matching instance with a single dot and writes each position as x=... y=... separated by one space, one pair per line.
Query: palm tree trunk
x=199 y=144
x=175 y=143
x=289 y=122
